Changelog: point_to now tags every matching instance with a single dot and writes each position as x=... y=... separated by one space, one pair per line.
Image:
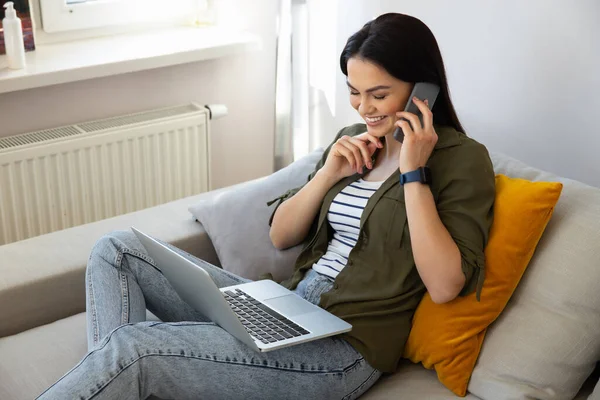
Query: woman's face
x=376 y=95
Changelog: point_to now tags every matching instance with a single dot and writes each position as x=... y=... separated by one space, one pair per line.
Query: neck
x=391 y=149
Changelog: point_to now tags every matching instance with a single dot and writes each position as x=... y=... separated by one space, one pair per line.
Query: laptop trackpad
x=290 y=305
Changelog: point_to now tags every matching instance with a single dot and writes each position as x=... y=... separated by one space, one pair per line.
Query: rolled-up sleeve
x=282 y=198
x=290 y=193
x=465 y=206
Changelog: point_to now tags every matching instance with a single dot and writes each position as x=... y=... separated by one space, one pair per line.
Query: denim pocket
x=317 y=285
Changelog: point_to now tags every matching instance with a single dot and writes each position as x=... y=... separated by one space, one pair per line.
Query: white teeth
x=374 y=119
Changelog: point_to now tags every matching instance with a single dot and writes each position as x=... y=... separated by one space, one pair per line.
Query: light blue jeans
x=186 y=356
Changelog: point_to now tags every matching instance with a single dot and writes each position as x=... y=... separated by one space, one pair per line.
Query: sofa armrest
x=42 y=278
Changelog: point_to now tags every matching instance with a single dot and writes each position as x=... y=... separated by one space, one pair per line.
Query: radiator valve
x=216 y=110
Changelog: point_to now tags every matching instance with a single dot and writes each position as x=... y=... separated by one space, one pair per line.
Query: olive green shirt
x=379 y=288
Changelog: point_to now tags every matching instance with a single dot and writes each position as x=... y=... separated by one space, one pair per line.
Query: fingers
x=349 y=151
x=358 y=152
x=355 y=156
x=415 y=124
x=370 y=138
x=414 y=120
x=405 y=125
x=346 y=152
x=364 y=150
x=425 y=111
x=372 y=147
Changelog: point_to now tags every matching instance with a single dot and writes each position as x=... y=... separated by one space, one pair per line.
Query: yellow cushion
x=448 y=337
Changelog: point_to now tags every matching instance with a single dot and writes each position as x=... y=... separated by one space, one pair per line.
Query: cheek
x=393 y=107
x=355 y=102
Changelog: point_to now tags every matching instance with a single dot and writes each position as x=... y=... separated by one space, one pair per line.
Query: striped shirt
x=344 y=217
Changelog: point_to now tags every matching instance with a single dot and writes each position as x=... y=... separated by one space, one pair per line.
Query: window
x=67 y=15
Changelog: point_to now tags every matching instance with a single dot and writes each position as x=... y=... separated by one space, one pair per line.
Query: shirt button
x=335 y=285
x=350 y=262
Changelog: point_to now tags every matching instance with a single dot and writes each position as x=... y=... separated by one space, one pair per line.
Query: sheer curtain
x=307 y=68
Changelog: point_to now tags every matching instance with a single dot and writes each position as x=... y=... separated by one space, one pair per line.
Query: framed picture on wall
x=23 y=12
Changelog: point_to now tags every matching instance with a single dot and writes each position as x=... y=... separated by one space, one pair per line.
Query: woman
x=372 y=247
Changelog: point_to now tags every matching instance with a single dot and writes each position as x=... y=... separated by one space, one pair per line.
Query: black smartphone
x=423 y=91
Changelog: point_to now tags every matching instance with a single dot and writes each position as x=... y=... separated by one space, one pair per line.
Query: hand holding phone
x=422 y=91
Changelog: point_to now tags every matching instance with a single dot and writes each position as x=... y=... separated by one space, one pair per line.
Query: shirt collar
x=447 y=137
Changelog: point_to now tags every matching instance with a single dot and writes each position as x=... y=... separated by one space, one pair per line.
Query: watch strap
x=422 y=174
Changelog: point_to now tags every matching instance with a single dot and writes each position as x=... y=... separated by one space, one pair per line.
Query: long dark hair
x=406 y=48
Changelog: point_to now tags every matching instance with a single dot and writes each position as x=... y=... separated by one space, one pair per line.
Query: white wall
x=242 y=142
x=524 y=75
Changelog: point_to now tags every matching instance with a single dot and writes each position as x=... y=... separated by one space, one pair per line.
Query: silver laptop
x=263 y=314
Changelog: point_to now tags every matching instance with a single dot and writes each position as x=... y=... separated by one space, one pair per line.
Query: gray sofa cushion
x=33 y=360
x=546 y=342
x=42 y=278
x=412 y=382
x=237 y=222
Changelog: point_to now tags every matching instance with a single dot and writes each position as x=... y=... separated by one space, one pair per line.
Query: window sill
x=56 y=63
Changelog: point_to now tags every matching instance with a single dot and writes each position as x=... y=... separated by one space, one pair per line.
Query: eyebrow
x=371 y=89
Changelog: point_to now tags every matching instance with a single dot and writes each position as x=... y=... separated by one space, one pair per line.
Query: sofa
x=42 y=303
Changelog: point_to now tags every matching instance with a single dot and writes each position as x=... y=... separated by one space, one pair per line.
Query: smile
x=375 y=119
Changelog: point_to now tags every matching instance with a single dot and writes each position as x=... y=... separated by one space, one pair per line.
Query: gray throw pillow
x=237 y=222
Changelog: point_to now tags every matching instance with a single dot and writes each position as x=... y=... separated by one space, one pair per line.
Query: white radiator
x=59 y=178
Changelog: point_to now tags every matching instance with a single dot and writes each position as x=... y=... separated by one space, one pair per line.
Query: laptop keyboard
x=261 y=321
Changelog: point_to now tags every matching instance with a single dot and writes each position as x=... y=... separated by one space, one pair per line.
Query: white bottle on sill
x=13 y=38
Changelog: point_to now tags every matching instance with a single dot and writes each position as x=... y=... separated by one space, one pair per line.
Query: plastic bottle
x=13 y=37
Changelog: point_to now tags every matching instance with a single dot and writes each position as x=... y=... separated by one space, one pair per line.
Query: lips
x=374 y=120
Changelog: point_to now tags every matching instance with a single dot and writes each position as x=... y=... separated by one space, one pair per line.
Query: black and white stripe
x=344 y=217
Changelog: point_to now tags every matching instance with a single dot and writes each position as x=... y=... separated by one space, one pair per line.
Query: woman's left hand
x=419 y=141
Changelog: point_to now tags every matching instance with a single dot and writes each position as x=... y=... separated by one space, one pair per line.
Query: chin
x=380 y=131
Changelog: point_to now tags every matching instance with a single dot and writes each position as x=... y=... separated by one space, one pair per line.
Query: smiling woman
x=391 y=72
x=371 y=248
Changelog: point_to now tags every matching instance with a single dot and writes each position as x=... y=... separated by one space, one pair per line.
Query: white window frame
x=58 y=16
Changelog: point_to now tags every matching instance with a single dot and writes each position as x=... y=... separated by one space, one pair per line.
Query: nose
x=365 y=107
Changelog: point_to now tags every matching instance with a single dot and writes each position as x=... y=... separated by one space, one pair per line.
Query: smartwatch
x=422 y=174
